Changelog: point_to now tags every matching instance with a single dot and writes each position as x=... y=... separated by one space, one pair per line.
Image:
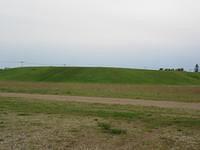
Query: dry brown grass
x=152 y=92
x=43 y=131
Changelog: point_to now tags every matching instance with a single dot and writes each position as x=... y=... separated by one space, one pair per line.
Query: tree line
x=196 y=69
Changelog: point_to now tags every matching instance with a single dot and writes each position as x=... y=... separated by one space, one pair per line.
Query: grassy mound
x=99 y=75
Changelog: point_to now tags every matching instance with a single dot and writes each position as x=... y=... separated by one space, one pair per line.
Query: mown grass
x=99 y=75
x=152 y=92
x=152 y=117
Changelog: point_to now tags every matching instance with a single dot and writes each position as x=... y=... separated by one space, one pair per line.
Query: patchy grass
x=35 y=124
x=151 y=116
x=153 y=92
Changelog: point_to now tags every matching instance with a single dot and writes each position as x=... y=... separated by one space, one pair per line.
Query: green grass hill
x=99 y=75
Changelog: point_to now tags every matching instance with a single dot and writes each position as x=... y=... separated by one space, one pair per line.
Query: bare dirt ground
x=162 y=104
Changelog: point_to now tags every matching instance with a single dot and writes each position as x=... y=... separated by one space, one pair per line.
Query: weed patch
x=106 y=127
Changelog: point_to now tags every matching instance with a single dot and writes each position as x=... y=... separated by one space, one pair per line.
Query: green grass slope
x=99 y=75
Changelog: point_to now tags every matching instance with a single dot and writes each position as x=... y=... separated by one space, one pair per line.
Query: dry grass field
x=75 y=108
x=34 y=124
x=180 y=93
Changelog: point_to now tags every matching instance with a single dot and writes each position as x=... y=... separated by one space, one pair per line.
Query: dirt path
x=121 y=101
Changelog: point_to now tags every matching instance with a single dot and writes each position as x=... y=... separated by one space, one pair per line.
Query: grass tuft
x=106 y=127
x=24 y=114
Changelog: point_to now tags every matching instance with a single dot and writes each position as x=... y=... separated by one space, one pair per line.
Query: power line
x=22 y=63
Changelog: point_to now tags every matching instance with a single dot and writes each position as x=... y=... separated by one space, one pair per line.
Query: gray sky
x=121 y=33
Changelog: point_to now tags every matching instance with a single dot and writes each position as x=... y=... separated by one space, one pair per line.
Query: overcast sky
x=120 y=33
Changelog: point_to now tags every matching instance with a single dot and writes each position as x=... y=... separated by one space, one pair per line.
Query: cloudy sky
x=120 y=33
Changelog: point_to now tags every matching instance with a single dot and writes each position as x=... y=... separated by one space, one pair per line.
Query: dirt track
x=121 y=101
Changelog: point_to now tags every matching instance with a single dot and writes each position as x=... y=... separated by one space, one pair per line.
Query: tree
x=196 y=69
